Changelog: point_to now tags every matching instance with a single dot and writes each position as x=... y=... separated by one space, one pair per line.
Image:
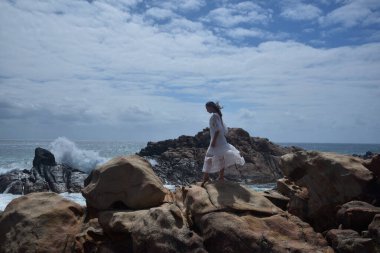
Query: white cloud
x=353 y=13
x=101 y=70
x=179 y=5
x=301 y=11
x=241 y=13
x=241 y=33
x=159 y=13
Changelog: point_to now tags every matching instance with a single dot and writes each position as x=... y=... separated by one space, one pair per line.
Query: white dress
x=223 y=154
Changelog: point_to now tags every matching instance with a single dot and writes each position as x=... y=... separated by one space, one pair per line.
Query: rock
x=366 y=156
x=374 y=228
x=227 y=232
x=325 y=180
x=158 y=229
x=128 y=180
x=43 y=157
x=92 y=239
x=349 y=241
x=276 y=198
x=12 y=182
x=373 y=165
x=357 y=215
x=46 y=175
x=180 y=161
x=40 y=222
x=218 y=196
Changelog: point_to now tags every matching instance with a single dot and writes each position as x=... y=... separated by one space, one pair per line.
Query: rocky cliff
x=179 y=161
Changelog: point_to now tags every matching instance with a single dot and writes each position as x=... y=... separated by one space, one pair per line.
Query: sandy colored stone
x=158 y=229
x=227 y=232
x=329 y=179
x=128 y=180
x=40 y=222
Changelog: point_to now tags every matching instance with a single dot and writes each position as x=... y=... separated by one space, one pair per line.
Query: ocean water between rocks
x=86 y=155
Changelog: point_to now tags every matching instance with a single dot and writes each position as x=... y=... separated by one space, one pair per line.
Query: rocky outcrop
x=357 y=215
x=349 y=241
x=180 y=161
x=45 y=175
x=129 y=181
x=158 y=229
x=317 y=182
x=40 y=222
x=232 y=218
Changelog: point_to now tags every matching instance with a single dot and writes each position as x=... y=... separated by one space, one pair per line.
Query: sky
x=289 y=71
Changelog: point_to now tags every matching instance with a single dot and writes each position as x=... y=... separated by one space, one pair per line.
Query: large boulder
x=357 y=215
x=40 y=222
x=128 y=180
x=349 y=241
x=244 y=233
x=160 y=229
x=219 y=196
x=43 y=157
x=232 y=218
x=325 y=180
x=180 y=161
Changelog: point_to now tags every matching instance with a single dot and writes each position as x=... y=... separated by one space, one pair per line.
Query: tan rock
x=40 y=222
x=129 y=180
x=227 y=232
x=357 y=215
x=349 y=241
x=226 y=196
x=159 y=229
x=330 y=180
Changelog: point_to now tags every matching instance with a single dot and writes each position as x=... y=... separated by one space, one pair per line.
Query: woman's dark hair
x=216 y=106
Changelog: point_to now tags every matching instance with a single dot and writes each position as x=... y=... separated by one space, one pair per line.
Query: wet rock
x=46 y=175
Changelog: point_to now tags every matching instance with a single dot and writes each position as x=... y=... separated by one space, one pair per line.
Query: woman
x=220 y=154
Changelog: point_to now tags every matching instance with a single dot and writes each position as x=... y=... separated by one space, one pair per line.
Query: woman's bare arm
x=213 y=141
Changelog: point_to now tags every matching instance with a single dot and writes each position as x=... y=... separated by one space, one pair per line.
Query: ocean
x=85 y=155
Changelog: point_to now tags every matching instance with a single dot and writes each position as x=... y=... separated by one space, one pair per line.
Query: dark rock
x=349 y=241
x=357 y=215
x=374 y=165
x=367 y=155
x=374 y=228
x=43 y=157
x=180 y=161
x=277 y=198
x=46 y=175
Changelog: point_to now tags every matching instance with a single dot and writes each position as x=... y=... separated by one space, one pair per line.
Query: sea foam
x=67 y=152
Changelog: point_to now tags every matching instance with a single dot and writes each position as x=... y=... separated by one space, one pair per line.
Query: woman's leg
x=221 y=175
x=205 y=178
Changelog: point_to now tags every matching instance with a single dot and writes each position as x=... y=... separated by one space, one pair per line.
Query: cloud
x=98 y=70
x=241 y=13
x=301 y=11
x=159 y=13
x=241 y=33
x=354 y=13
x=179 y=5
